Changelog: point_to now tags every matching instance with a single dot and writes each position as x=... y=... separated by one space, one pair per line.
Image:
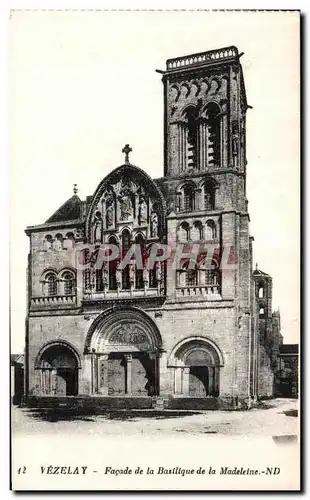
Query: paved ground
x=269 y=420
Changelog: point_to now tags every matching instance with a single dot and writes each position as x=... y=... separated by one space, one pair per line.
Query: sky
x=83 y=84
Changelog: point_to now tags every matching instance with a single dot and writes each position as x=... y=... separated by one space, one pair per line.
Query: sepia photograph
x=154 y=164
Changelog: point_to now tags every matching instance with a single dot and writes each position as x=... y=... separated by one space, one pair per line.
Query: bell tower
x=204 y=181
x=204 y=113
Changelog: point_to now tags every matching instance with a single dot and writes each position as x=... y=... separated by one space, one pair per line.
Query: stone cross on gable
x=126 y=149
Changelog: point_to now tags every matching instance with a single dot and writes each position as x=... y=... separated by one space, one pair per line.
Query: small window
x=68 y=283
x=210 y=230
x=212 y=277
x=112 y=267
x=261 y=292
x=196 y=233
x=126 y=241
x=183 y=232
x=139 y=272
x=191 y=277
x=51 y=284
x=262 y=312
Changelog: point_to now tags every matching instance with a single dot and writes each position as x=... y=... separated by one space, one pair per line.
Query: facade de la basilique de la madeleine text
x=187 y=336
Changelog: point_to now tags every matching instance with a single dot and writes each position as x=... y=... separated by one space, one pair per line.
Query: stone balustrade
x=53 y=300
x=202 y=57
x=122 y=294
x=207 y=291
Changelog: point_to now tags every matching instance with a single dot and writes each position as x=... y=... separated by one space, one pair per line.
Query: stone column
x=155 y=357
x=128 y=358
x=85 y=382
x=211 y=374
x=225 y=143
x=197 y=199
x=202 y=142
x=53 y=382
x=216 y=381
x=42 y=388
x=48 y=381
x=102 y=371
x=61 y=287
x=178 y=380
x=185 y=381
x=164 y=382
x=94 y=387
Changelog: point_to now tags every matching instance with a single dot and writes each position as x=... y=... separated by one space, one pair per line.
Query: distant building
x=165 y=332
x=286 y=377
x=17 y=378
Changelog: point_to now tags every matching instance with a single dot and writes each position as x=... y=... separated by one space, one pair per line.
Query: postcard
x=154 y=164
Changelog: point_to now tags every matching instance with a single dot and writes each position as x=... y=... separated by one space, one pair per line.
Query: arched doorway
x=196 y=362
x=125 y=346
x=58 y=365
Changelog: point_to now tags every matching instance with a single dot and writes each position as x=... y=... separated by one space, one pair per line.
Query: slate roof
x=70 y=210
x=258 y=272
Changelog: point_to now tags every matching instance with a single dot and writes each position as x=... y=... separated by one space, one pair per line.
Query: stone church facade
x=201 y=329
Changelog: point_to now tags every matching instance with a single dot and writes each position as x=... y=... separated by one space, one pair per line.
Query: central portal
x=131 y=375
x=125 y=347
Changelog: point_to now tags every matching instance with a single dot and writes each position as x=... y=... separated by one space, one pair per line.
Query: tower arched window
x=209 y=196
x=261 y=292
x=189 y=198
x=192 y=130
x=213 y=133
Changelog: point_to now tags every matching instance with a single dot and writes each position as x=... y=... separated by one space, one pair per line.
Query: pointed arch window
x=126 y=241
x=138 y=271
x=112 y=264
